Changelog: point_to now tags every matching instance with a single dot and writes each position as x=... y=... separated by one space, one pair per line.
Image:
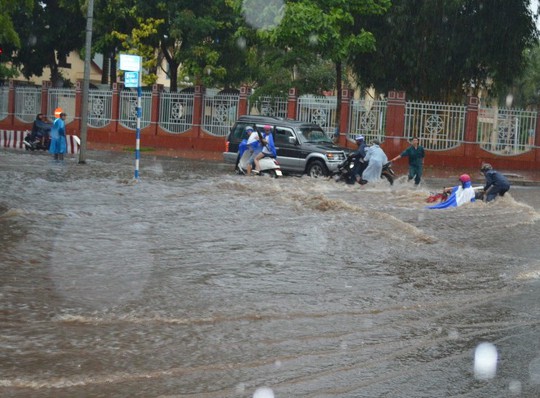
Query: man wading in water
x=416 y=160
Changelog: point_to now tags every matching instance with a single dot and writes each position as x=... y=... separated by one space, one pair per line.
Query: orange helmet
x=57 y=112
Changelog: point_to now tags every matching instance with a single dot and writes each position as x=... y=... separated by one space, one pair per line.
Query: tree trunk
x=338 y=86
x=105 y=70
x=173 y=74
x=113 y=68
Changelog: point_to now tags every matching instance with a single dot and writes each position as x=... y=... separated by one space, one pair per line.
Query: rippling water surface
x=196 y=282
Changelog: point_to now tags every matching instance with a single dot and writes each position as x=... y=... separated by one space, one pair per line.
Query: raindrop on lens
x=241 y=43
x=263 y=392
x=485 y=361
x=515 y=387
x=263 y=14
x=313 y=39
x=509 y=100
x=534 y=371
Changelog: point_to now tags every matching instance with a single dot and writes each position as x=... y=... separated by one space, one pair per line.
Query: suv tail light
x=227 y=146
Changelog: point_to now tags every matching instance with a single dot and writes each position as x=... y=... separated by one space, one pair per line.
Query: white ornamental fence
x=502 y=131
x=438 y=126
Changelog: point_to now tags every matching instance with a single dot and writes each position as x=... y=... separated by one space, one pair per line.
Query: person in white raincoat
x=376 y=158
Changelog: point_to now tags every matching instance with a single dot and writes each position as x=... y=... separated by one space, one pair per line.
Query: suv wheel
x=316 y=169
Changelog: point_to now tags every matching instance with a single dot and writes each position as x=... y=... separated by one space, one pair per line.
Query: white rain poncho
x=376 y=158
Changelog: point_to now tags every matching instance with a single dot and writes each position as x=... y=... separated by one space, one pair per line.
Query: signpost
x=132 y=67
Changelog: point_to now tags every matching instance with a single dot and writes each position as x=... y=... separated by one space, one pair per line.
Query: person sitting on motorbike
x=40 y=129
x=358 y=161
x=268 y=149
x=459 y=195
x=496 y=183
x=376 y=159
x=254 y=146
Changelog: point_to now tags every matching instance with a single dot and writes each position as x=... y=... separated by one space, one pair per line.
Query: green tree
x=329 y=29
x=136 y=43
x=525 y=89
x=190 y=36
x=441 y=50
x=111 y=17
x=9 y=38
x=49 y=33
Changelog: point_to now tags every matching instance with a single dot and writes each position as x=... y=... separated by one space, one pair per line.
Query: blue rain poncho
x=269 y=149
x=58 y=137
x=460 y=195
x=376 y=158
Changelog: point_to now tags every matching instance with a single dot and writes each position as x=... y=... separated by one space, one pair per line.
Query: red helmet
x=464 y=178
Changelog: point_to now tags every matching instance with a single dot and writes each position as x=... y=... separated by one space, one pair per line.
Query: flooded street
x=197 y=282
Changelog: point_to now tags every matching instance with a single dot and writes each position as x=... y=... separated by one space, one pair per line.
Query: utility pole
x=86 y=81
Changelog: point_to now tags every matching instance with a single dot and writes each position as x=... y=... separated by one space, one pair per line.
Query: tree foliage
x=444 y=49
x=49 y=33
x=9 y=37
x=328 y=28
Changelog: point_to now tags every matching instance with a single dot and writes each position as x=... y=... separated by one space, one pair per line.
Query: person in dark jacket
x=496 y=183
x=416 y=155
x=41 y=128
x=358 y=160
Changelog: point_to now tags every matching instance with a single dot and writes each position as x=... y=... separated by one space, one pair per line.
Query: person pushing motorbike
x=358 y=161
x=496 y=183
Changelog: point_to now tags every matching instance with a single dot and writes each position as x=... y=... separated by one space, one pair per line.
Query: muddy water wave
x=196 y=282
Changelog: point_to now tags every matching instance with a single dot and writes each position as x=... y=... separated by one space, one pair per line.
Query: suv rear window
x=239 y=132
x=312 y=134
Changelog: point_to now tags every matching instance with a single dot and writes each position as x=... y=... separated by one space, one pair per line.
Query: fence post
x=471 y=125
x=537 y=135
x=198 y=105
x=45 y=85
x=11 y=103
x=395 y=119
x=78 y=106
x=346 y=95
x=292 y=101
x=243 y=101
x=115 y=106
x=154 y=111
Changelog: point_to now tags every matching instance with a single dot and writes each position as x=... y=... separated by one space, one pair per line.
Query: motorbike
x=36 y=144
x=269 y=166
x=442 y=196
x=345 y=170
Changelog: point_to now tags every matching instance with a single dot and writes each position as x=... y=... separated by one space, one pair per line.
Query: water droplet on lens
x=485 y=361
x=263 y=392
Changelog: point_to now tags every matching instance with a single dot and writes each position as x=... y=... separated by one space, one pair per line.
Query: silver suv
x=301 y=147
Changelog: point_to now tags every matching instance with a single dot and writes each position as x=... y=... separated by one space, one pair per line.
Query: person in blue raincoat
x=459 y=195
x=376 y=159
x=268 y=147
x=58 y=137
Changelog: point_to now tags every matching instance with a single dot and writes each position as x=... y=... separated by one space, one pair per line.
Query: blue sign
x=131 y=79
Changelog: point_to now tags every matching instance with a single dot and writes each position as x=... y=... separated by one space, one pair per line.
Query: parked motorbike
x=345 y=170
x=269 y=166
x=36 y=144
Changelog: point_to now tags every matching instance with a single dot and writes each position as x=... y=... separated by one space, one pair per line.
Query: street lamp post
x=86 y=82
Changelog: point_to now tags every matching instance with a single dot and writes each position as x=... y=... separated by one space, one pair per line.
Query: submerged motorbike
x=36 y=143
x=269 y=166
x=442 y=196
x=345 y=170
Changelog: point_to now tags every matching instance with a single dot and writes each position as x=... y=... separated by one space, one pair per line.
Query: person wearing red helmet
x=459 y=195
